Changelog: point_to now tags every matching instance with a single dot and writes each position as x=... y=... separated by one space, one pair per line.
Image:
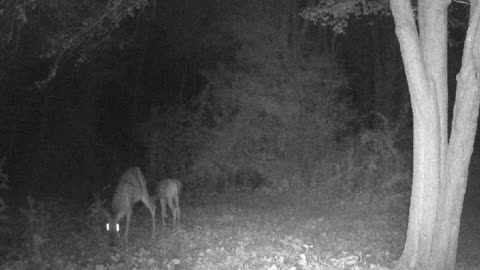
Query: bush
x=39 y=224
x=5 y=231
x=370 y=167
x=273 y=116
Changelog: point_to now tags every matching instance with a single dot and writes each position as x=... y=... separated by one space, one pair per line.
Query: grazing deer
x=168 y=191
x=131 y=188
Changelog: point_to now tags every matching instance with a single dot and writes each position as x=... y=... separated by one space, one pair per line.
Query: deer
x=168 y=191
x=131 y=188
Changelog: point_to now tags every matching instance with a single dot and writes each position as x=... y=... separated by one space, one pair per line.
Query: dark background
x=166 y=88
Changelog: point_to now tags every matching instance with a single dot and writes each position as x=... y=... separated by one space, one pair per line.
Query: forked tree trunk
x=440 y=166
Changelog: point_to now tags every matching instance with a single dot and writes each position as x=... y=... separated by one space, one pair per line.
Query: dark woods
x=190 y=89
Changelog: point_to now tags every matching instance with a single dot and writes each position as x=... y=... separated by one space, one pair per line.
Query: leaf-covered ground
x=250 y=231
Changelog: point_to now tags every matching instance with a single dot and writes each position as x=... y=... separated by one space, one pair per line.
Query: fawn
x=168 y=191
x=131 y=188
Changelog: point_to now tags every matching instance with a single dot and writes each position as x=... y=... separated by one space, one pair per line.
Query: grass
x=249 y=230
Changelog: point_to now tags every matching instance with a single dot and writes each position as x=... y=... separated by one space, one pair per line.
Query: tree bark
x=284 y=26
x=440 y=167
x=383 y=95
x=460 y=148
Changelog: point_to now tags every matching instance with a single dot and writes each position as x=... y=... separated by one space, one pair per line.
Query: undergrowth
x=303 y=229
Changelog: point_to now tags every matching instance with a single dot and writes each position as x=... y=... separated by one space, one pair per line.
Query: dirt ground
x=248 y=231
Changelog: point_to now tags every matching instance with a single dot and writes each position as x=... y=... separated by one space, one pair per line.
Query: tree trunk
x=85 y=115
x=382 y=94
x=394 y=75
x=460 y=147
x=283 y=7
x=294 y=32
x=440 y=168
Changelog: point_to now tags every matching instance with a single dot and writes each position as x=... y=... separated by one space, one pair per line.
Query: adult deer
x=168 y=191
x=131 y=188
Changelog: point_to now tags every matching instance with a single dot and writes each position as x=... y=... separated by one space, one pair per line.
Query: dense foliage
x=60 y=31
x=339 y=13
x=261 y=118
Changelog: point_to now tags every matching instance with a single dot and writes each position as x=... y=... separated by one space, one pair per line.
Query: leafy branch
x=80 y=29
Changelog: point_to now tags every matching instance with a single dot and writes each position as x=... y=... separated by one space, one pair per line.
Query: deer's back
x=169 y=188
x=130 y=190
